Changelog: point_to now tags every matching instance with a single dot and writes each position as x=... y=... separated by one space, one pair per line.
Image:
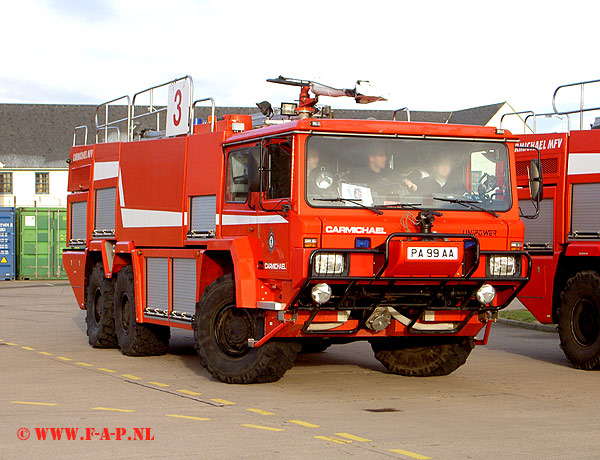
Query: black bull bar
x=385 y=284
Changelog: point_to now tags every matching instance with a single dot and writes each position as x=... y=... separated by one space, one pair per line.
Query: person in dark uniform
x=440 y=182
x=379 y=178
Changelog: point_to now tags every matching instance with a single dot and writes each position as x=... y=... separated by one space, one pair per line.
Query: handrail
x=531 y=112
x=151 y=109
x=549 y=115
x=581 y=100
x=106 y=128
x=212 y=113
x=403 y=109
x=77 y=128
x=100 y=127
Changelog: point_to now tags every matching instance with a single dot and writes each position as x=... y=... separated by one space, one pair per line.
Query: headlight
x=486 y=294
x=321 y=293
x=329 y=264
x=502 y=265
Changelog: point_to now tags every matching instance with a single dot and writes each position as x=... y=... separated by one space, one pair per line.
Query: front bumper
x=407 y=289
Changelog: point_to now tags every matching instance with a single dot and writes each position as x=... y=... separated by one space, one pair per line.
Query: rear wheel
x=135 y=339
x=99 y=310
x=222 y=330
x=579 y=320
x=424 y=357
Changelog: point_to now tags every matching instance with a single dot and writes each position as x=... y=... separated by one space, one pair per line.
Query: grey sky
x=427 y=55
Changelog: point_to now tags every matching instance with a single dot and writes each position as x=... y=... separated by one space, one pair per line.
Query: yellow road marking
x=28 y=348
x=63 y=358
x=353 y=437
x=160 y=384
x=306 y=424
x=34 y=403
x=223 y=401
x=188 y=392
x=337 y=441
x=113 y=409
x=261 y=412
x=187 y=416
x=45 y=353
x=410 y=454
x=1 y=340
x=105 y=369
x=132 y=377
x=84 y=364
x=11 y=344
x=260 y=427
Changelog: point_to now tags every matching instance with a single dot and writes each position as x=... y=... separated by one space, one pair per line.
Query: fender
x=583 y=249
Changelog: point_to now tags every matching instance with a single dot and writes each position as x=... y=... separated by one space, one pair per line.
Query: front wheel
x=423 y=357
x=221 y=332
x=579 y=320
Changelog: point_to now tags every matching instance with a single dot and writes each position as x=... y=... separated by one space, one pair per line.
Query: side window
x=237 y=176
x=280 y=166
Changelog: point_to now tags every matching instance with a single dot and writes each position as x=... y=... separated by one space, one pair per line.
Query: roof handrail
x=403 y=109
x=107 y=123
x=212 y=112
x=79 y=128
x=581 y=100
x=151 y=109
x=525 y=125
x=549 y=115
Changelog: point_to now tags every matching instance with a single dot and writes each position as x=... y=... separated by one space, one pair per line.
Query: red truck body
x=175 y=219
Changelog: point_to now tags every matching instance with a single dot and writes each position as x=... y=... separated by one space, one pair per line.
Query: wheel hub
x=96 y=310
x=233 y=328
x=586 y=322
x=125 y=312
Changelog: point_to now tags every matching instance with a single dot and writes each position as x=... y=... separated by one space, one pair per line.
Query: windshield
x=343 y=171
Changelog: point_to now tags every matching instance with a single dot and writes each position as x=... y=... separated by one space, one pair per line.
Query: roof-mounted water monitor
x=306 y=106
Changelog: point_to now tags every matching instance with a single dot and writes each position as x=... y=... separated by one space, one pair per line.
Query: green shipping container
x=41 y=237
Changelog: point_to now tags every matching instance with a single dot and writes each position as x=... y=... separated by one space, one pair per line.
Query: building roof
x=40 y=135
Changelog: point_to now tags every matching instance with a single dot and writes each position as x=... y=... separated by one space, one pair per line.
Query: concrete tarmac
x=515 y=398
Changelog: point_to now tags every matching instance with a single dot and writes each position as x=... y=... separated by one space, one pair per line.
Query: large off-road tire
x=423 y=357
x=579 y=320
x=221 y=332
x=135 y=339
x=314 y=345
x=99 y=310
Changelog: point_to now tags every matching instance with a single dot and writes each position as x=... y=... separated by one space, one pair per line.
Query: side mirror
x=536 y=182
x=255 y=170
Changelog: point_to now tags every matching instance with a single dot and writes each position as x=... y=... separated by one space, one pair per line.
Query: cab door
x=274 y=207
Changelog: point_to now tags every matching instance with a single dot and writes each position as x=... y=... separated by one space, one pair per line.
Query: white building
x=27 y=187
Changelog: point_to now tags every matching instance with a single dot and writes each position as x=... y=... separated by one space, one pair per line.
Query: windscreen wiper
x=350 y=200
x=471 y=204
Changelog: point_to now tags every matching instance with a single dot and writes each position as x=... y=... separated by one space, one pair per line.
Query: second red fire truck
x=564 y=240
x=291 y=230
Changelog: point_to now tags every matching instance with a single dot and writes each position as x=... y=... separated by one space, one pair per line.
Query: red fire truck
x=564 y=241
x=286 y=230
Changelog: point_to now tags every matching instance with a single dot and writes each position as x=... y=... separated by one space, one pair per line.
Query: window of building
x=6 y=182
x=42 y=183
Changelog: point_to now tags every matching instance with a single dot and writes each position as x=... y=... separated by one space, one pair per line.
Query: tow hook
x=379 y=319
x=489 y=317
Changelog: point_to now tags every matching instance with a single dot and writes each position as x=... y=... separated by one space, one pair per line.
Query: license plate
x=431 y=253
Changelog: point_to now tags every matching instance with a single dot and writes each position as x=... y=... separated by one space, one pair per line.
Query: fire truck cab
x=289 y=231
x=564 y=239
